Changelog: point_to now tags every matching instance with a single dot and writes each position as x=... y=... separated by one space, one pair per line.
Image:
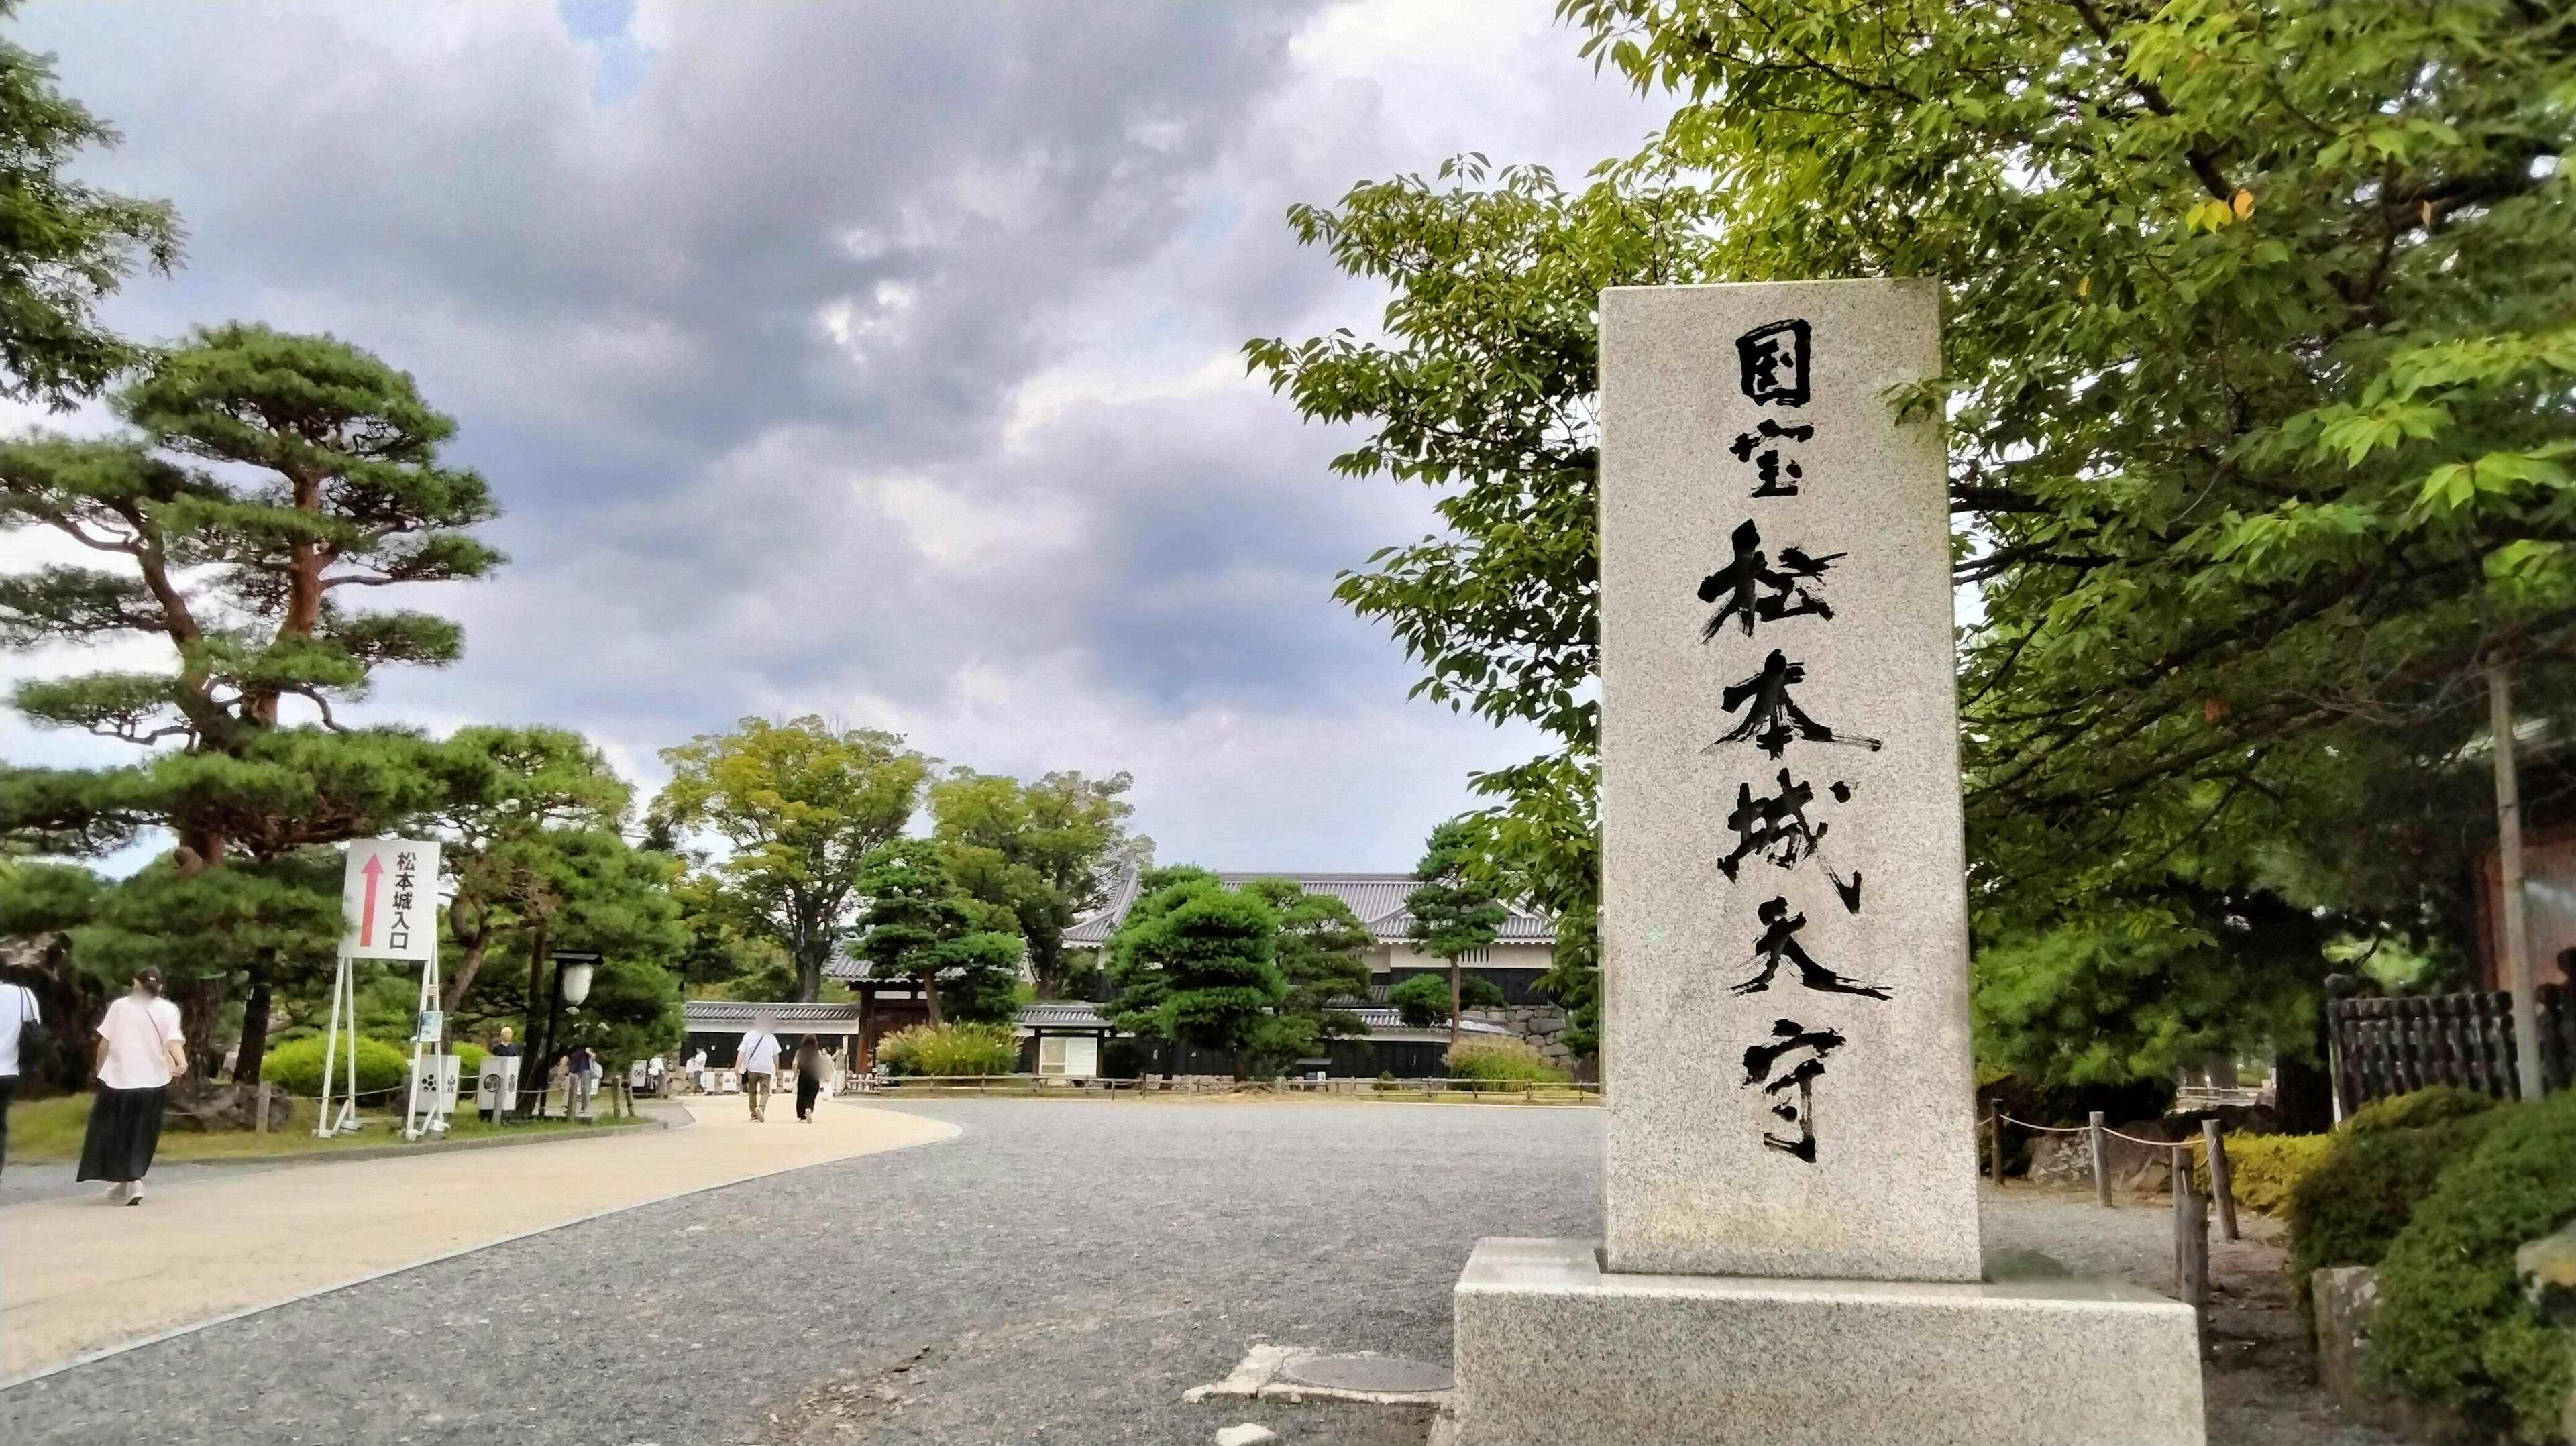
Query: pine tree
x=324 y=477
x=1454 y=913
x=920 y=925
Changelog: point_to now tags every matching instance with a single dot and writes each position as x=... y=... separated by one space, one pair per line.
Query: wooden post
x=2222 y=1180
x=1999 y=1147
x=2101 y=1162
x=261 y=1127
x=2191 y=1233
x=2515 y=945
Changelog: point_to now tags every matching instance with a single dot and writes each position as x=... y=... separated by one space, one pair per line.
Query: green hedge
x=2418 y=1110
x=2348 y=1209
x=296 y=1066
x=2453 y=1327
x=1503 y=1059
x=2264 y=1170
x=945 y=1049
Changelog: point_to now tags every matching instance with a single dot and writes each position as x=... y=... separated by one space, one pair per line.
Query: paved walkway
x=79 y=1276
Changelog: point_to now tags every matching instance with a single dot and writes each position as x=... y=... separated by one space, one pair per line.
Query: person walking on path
x=581 y=1074
x=755 y=1060
x=20 y=1020
x=811 y=1068
x=141 y=1048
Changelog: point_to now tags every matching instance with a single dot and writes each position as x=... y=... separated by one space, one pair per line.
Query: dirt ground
x=2259 y=1376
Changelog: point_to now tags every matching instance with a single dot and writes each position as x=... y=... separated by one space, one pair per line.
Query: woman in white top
x=141 y=1048
x=18 y=1012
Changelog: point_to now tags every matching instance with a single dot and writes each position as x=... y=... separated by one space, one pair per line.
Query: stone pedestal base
x=1552 y=1352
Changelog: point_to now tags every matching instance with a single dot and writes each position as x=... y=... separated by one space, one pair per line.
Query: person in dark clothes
x=811 y=1069
x=141 y=1048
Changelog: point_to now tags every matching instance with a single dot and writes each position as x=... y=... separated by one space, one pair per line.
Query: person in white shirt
x=17 y=1011
x=141 y=1048
x=755 y=1060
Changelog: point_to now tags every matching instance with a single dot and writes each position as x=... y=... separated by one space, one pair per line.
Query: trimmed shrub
x=2417 y=1110
x=946 y=1049
x=1422 y=1000
x=2263 y=1170
x=2453 y=1328
x=2348 y=1209
x=1503 y=1059
x=469 y=1060
x=296 y=1066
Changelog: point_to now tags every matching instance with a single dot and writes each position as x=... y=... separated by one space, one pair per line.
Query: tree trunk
x=2513 y=955
x=199 y=1000
x=1457 y=1009
x=930 y=993
x=253 y=1049
x=539 y=1021
x=811 y=956
x=470 y=962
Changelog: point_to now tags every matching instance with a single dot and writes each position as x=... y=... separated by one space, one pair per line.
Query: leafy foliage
x=1502 y=1060
x=2453 y=1326
x=1322 y=954
x=66 y=245
x=949 y=1049
x=2258 y=382
x=1422 y=1000
x=1043 y=850
x=798 y=804
x=1196 y=962
x=920 y=925
x=296 y=1066
x=2356 y=1201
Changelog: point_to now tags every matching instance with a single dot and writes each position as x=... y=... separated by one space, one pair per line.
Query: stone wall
x=1543 y=1025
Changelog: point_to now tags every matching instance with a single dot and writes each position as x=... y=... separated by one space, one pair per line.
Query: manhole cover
x=1369 y=1373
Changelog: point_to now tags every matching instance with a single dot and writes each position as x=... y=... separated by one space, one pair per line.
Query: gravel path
x=1057 y=1274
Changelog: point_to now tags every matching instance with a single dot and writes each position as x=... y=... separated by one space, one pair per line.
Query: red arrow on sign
x=367 y=913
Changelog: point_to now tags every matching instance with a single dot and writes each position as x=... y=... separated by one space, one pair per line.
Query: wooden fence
x=2391 y=1046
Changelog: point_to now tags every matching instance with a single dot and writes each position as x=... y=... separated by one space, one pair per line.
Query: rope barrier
x=2087 y=1129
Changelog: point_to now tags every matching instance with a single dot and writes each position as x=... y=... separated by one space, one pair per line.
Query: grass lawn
x=51 y=1130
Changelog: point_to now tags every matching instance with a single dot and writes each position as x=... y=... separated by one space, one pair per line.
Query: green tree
x=587 y=890
x=66 y=245
x=1322 y=954
x=2257 y=376
x=920 y=925
x=1454 y=913
x=798 y=804
x=544 y=781
x=326 y=477
x=1043 y=850
x=1197 y=963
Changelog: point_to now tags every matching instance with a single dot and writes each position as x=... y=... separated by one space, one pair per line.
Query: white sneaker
x=134 y=1193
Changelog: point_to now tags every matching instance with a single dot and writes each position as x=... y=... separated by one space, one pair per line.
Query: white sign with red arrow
x=389 y=896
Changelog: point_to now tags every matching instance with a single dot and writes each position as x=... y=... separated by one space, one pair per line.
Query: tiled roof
x=708 y=1015
x=1377 y=898
x=1066 y=1014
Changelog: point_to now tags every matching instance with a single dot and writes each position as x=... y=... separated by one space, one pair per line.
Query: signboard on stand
x=389 y=910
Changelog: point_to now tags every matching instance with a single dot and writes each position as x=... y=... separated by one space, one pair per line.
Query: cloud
x=878 y=361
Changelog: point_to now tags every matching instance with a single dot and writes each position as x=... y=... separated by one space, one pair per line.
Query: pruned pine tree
x=268 y=480
x=1454 y=913
x=1197 y=963
x=919 y=925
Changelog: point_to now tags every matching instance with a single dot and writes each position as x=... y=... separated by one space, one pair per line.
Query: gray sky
x=880 y=360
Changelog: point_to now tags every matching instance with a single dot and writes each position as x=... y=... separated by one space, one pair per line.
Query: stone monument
x=1791 y=1253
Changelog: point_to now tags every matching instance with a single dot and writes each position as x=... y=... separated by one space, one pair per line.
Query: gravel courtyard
x=1059 y=1273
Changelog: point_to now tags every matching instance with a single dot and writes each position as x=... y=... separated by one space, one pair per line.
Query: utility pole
x=2514 y=949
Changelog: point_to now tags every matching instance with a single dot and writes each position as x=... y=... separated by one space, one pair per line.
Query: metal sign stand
x=430 y=1029
x=344 y=1019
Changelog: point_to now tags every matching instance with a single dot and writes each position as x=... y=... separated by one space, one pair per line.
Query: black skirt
x=124 y=1130
x=807 y=1087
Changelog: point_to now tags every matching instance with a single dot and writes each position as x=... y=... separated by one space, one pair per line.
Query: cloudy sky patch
x=880 y=361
